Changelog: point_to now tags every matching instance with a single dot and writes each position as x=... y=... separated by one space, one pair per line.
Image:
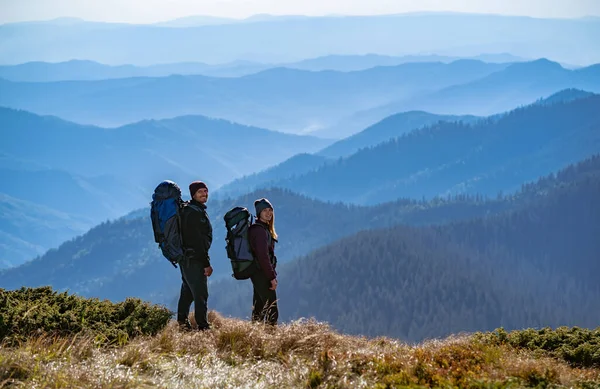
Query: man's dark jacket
x=197 y=232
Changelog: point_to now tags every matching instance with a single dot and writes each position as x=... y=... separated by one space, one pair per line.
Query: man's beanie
x=194 y=186
x=262 y=204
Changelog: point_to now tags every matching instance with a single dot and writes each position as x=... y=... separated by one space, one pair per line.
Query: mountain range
x=282 y=99
x=90 y=70
x=516 y=85
x=83 y=175
x=533 y=266
x=119 y=258
x=91 y=174
x=147 y=151
x=391 y=127
x=454 y=263
x=125 y=247
x=293 y=38
x=385 y=130
x=28 y=229
x=487 y=156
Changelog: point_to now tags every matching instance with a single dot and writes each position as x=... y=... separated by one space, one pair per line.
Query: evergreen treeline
x=532 y=267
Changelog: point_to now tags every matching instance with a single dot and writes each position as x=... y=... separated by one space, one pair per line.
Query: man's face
x=201 y=195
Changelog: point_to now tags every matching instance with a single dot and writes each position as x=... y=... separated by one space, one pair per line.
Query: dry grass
x=307 y=354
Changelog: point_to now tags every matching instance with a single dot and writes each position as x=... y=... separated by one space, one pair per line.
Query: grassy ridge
x=301 y=354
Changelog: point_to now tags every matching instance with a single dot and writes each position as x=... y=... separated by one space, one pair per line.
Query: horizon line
x=286 y=15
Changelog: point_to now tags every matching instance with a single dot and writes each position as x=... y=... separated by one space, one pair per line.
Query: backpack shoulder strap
x=194 y=207
x=252 y=224
x=269 y=237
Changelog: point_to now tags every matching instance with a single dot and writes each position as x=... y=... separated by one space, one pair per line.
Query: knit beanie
x=260 y=205
x=194 y=186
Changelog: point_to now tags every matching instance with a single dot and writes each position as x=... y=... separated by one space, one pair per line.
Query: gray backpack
x=237 y=221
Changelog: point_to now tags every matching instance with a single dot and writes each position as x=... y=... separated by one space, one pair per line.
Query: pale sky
x=149 y=11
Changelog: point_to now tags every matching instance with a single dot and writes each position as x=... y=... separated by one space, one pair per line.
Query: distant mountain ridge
x=90 y=70
x=29 y=229
x=82 y=175
x=292 y=38
x=384 y=131
x=516 y=85
x=282 y=99
x=144 y=151
x=360 y=62
x=297 y=165
x=388 y=128
x=80 y=70
x=488 y=156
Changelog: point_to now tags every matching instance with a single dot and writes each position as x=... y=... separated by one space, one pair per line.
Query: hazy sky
x=146 y=11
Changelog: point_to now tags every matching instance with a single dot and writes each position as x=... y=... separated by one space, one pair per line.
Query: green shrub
x=578 y=346
x=35 y=311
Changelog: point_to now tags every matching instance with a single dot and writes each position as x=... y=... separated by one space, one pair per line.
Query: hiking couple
x=195 y=266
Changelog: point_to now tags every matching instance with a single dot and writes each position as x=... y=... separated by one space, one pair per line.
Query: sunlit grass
x=303 y=354
x=56 y=340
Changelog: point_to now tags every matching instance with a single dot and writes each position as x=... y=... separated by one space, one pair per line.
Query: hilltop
x=299 y=354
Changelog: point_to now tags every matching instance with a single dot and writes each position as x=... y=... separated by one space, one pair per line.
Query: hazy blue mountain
x=145 y=153
x=489 y=156
x=361 y=62
x=516 y=85
x=566 y=96
x=196 y=20
x=283 y=99
x=390 y=127
x=94 y=198
x=29 y=228
x=88 y=173
x=44 y=207
x=12 y=163
x=296 y=165
x=90 y=70
x=293 y=38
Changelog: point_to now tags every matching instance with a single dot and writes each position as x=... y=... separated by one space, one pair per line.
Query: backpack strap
x=194 y=207
x=270 y=237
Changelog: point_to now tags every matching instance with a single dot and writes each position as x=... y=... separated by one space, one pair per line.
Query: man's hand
x=208 y=271
x=273 y=284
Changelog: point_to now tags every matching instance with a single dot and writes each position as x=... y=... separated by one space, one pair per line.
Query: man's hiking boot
x=185 y=326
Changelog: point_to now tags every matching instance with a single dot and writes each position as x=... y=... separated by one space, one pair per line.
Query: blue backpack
x=165 y=212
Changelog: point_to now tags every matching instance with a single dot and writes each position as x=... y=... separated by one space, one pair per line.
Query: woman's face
x=266 y=215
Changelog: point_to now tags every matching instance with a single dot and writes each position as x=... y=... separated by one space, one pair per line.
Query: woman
x=262 y=238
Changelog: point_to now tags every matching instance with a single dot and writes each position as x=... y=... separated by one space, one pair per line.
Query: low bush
x=28 y=312
x=578 y=346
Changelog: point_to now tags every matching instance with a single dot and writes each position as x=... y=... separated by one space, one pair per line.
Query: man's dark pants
x=194 y=288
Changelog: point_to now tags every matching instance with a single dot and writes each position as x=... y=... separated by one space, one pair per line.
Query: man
x=195 y=268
